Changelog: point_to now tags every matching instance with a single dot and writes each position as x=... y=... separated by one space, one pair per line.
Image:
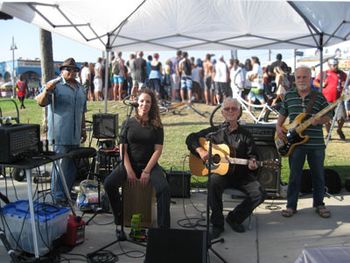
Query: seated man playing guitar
x=298 y=104
x=240 y=144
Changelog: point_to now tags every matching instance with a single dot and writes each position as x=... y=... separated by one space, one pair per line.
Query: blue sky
x=27 y=41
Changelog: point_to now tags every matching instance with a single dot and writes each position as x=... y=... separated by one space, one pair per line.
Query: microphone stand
x=209 y=137
x=121 y=236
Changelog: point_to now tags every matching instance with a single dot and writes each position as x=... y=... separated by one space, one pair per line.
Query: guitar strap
x=311 y=102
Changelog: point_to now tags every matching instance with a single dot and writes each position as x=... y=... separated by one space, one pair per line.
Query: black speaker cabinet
x=263 y=135
x=331 y=177
x=268 y=177
x=180 y=183
x=176 y=245
x=105 y=125
x=262 y=132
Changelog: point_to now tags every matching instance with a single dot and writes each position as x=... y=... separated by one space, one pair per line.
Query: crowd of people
x=187 y=79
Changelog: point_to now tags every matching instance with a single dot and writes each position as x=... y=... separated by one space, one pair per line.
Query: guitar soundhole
x=216 y=158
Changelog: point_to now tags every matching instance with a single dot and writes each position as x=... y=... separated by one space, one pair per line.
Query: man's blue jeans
x=69 y=172
x=315 y=158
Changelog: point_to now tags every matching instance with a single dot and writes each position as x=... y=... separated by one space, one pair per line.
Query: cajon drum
x=139 y=199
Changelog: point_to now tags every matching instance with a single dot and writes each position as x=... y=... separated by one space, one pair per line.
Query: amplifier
x=180 y=183
x=262 y=132
x=18 y=140
x=263 y=135
x=105 y=125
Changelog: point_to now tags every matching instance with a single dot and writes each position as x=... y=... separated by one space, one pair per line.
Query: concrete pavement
x=271 y=239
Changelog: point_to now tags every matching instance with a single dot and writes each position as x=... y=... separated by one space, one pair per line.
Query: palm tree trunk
x=47 y=66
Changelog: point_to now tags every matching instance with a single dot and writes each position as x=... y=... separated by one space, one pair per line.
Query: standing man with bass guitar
x=297 y=102
x=241 y=145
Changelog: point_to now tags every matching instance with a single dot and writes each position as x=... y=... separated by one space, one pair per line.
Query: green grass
x=177 y=127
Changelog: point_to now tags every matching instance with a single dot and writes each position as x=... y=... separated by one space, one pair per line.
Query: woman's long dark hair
x=153 y=115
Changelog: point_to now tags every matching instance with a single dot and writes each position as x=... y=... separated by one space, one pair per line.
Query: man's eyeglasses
x=230 y=109
x=71 y=69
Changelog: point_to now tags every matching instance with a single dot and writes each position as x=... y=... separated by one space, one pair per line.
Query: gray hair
x=233 y=100
x=303 y=67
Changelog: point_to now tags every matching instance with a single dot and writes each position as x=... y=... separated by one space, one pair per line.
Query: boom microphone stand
x=210 y=162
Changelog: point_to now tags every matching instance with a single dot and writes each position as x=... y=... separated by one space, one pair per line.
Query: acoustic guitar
x=294 y=131
x=221 y=160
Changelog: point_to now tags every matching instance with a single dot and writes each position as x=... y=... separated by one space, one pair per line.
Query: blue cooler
x=50 y=220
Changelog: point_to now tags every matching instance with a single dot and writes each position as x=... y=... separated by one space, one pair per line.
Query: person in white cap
x=333 y=84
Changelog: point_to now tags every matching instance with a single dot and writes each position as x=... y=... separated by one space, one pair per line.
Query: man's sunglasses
x=230 y=109
x=71 y=69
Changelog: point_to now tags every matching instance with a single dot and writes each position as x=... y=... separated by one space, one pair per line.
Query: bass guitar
x=221 y=160
x=294 y=131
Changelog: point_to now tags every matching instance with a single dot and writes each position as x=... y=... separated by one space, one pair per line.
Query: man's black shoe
x=235 y=226
x=215 y=232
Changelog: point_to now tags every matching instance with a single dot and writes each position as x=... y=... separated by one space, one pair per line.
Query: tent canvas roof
x=190 y=24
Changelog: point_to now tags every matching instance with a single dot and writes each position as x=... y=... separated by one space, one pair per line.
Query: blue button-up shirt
x=69 y=106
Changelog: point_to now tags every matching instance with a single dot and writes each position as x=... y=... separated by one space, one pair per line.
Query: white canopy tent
x=190 y=24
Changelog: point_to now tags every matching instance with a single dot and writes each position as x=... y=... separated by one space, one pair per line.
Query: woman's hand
x=144 y=179
x=131 y=177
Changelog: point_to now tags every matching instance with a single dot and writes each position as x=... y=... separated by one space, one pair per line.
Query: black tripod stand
x=121 y=236
x=101 y=207
x=210 y=163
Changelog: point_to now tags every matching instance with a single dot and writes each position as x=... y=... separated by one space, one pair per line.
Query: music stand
x=209 y=137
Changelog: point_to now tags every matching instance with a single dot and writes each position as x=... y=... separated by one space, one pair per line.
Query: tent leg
x=321 y=61
x=108 y=49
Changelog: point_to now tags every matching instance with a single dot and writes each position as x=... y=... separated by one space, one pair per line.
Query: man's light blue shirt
x=69 y=106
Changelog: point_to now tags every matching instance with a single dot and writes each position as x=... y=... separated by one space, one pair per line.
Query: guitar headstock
x=271 y=164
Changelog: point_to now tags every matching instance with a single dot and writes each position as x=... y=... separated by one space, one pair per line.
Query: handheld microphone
x=53 y=82
x=56 y=80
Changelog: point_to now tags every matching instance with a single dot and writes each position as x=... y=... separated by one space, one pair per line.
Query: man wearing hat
x=66 y=120
x=333 y=84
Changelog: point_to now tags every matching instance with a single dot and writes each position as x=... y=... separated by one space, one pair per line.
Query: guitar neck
x=240 y=161
x=303 y=126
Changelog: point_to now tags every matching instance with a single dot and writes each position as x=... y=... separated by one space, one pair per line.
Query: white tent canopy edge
x=190 y=24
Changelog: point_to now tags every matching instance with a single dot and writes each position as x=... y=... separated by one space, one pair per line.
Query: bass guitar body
x=293 y=138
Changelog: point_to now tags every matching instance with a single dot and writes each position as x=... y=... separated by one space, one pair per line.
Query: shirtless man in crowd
x=208 y=71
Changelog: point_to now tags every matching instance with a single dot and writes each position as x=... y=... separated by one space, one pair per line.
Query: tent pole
x=108 y=49
x=321 y=61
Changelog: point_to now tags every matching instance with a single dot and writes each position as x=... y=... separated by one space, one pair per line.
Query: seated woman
x=141 y=144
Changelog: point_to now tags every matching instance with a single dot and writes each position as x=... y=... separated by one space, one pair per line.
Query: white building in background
x=340 y=51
